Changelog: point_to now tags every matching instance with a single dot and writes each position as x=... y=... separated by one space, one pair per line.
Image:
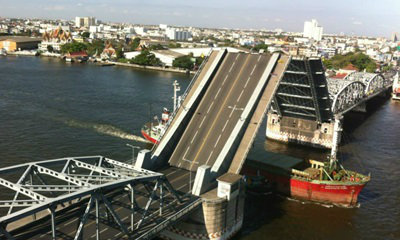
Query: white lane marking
x=208 y=159
x=224 y=79
x=233 y=109
x=216 y=95
x=202 y=121
x=247 y=82
x=184 y=155
x=240 y=96
x=217 y=141
x=259 y=58
x=68 y=223
x=194 y=137
x=105 y=229
x=210 y=107
x=171 y=173
x=253 y=69
x=226 y=123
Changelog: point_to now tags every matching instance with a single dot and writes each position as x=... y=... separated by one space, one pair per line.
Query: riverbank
x=176 y=70
x=106 y=63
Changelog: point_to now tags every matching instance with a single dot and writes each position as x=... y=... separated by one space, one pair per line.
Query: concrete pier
x=220 y=216
x=300 y=131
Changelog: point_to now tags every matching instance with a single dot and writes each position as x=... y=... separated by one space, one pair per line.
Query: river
x=51 y=109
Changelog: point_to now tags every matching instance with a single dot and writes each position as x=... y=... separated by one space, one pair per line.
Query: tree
x=135 y=44
x=358 y=59
x=146 y=58
x=50 y=48
x=85 y=34
x=183 y=62
x=157 y=47
x=260 y=46
x=119 y=52
x=97 y=45
x=73 y=47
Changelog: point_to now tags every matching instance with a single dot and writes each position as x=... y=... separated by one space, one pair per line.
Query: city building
x=312 y=30
x=85 y=22
x=167 y=57
x=394 y=37
x=13 y=43
x=55 y=39
x=177 y=34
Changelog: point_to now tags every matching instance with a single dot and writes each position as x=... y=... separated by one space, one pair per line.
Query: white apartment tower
x=85 y=21
x=177 y=34
x=312 y=30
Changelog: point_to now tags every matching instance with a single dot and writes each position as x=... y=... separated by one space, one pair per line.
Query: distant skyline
x=359 y=17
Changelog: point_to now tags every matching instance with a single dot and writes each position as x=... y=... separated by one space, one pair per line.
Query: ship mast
x=337 y=130
x=176 y=89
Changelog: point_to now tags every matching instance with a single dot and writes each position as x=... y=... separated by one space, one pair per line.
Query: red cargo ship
x=311 y=180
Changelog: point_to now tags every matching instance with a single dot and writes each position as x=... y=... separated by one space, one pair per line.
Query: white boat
x=396 y=87
x=3 y=52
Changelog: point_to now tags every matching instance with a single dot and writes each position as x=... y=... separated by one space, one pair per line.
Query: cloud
x=357 y=23
x=79 y=4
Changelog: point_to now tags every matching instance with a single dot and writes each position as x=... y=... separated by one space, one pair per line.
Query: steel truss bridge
x=304 y=91
x=109 y=195
x=356 y=88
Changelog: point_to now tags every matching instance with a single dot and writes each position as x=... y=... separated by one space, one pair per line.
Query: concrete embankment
x=177 y=70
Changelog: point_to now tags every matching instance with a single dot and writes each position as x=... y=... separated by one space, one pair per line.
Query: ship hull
x=396 y=96
x=147 y=137
x=338 y=193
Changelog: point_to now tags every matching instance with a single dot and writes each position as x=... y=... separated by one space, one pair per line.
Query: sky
x=352 y=17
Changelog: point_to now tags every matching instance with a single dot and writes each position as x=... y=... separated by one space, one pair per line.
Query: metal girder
x=93 y=178
x=53 y=188
x=24 y=191
x=18 y=203
x=294 y=95
x=59 y=175
x=101 y=170
x=298 y=106
x=98 y=192
x=313 y=90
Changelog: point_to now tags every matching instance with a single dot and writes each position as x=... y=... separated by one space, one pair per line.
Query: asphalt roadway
x=68 y=221
x=219 y=110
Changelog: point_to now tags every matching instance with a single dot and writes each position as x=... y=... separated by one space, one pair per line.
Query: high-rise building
x=394 y=37
x=85 y=21
x=312 y=30
x=176 y=34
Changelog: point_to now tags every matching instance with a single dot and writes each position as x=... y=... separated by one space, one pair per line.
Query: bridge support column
x=362 y=108
x=203 y=180
x=300 y=131
x=143 y=159
x=220 y=216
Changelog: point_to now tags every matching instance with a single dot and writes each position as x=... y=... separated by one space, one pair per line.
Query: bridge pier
x=361 y=108
x=220 y=216
x=300 y=131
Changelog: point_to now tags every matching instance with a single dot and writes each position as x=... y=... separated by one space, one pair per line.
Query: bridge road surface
x=219 y=110
x=68 y=223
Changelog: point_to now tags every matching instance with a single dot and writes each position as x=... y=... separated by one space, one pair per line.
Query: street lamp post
x=133 y=152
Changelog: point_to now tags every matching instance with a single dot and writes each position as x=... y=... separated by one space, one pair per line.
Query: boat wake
x=105 y=129
x=326 y=205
